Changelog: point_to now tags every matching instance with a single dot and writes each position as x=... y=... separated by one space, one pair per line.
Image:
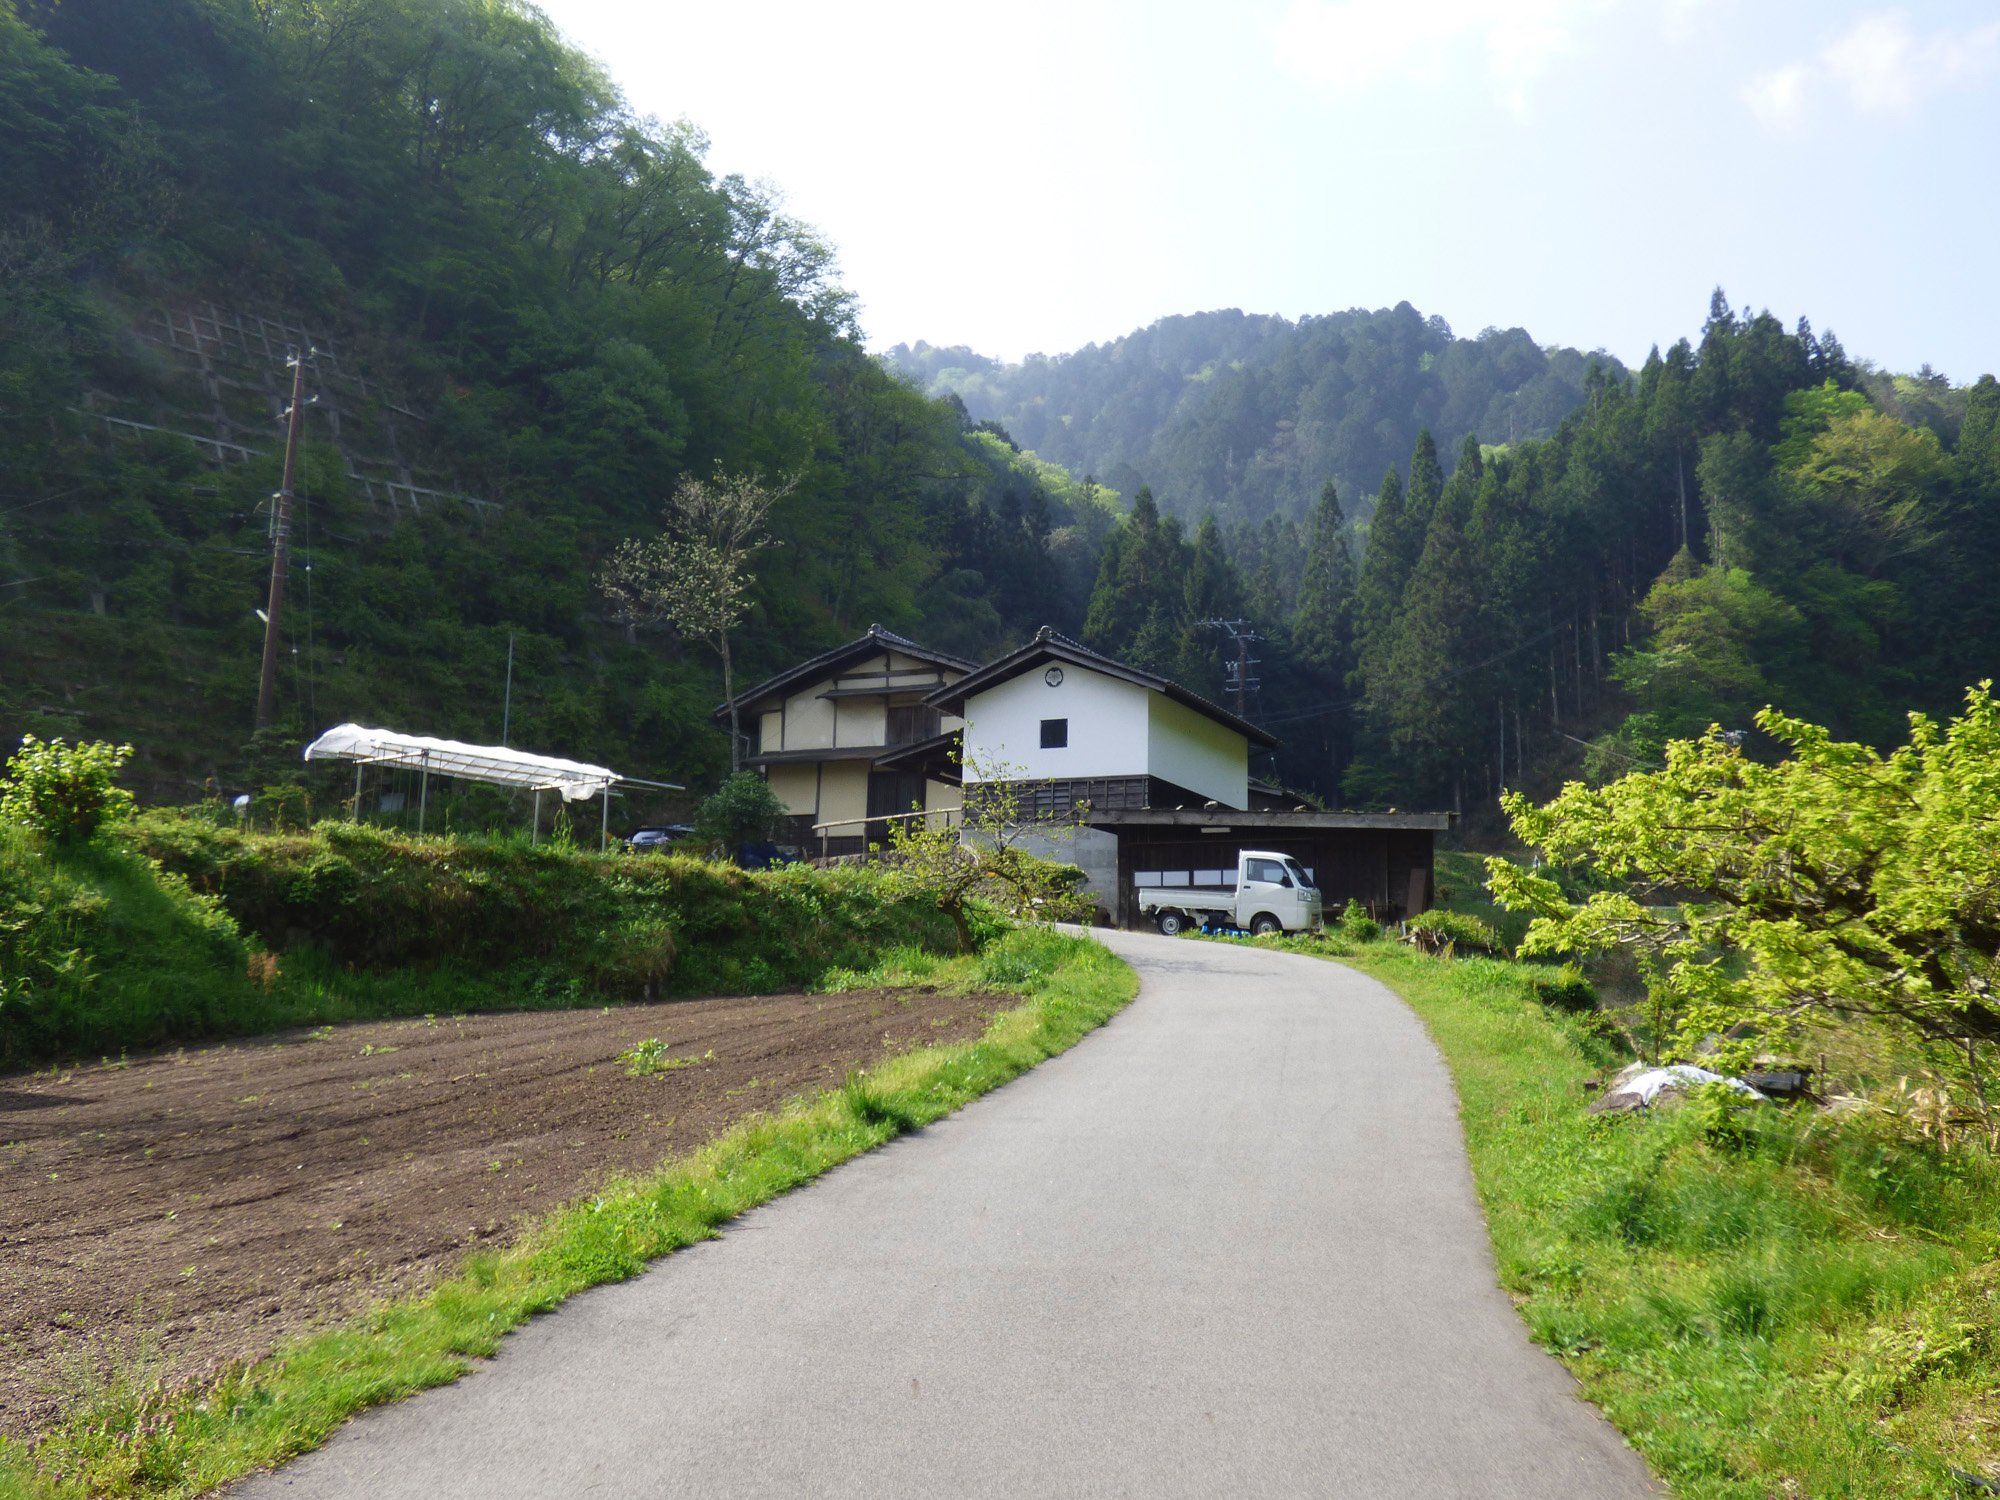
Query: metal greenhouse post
x=604 y=824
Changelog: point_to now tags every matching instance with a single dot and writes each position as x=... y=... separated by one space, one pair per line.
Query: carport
x=1383 y=860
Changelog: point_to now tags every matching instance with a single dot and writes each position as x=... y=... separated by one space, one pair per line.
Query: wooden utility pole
x=1241 y=636
x=281 y=536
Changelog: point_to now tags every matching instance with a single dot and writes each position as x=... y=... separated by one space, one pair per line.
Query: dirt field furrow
x=202 y=1204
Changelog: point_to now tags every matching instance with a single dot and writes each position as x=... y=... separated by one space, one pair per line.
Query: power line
x=1630 y=760
x=312 y=674
x=1343 y=705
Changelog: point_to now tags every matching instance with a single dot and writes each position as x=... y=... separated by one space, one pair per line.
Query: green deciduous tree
x=694 y=576
x=1714 y=640
x=986 y=860
x=1838 y=886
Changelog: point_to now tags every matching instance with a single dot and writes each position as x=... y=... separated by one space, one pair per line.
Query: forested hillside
x=534 y=311
x=1246 y=415
x=536 y=314
x=1752 y=519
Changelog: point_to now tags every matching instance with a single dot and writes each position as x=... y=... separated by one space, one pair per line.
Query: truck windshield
x=1298 y=874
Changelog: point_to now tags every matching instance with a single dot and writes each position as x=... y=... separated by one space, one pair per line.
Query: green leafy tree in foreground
x=64 y=792
x=694 y=577
x=1837 y=886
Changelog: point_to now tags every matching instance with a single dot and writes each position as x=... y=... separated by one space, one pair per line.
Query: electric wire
x=1341 y=706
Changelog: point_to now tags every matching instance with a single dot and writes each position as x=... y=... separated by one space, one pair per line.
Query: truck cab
x=1272 y=893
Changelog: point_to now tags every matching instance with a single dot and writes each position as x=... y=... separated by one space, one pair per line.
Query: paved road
x=1226 y=1246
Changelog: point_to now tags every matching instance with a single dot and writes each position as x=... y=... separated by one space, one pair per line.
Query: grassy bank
x=140 y=1442
x=1766 y=1301
x=175 y=929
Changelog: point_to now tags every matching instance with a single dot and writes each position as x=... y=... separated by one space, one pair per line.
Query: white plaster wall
x=797 y=786
x=863 y=721
x=1108 y=727
x=843 y=793
x=808 y=720
x=1192 y=750
x=942 y=802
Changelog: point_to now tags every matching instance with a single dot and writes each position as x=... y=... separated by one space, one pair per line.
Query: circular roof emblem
x=1053 y=677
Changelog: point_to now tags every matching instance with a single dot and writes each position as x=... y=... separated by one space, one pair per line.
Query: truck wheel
x=1263 y=924
x=1172 y=924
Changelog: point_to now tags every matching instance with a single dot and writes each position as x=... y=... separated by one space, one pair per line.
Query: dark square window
x=1055 y=734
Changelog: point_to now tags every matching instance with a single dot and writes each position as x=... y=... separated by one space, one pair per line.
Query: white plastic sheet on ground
x=1640 y=1090
x=571 y=779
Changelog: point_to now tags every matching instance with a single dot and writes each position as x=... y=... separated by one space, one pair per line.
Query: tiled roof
x=830 y=662
x=1050 y=644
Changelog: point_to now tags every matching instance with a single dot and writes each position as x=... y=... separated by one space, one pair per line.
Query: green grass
x=99 y=951
x=176 y=929
x=1766 y=1302
x=1461 y=887
x=138 y=1441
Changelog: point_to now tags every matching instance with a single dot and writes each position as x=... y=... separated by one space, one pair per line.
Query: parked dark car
x=657 y=839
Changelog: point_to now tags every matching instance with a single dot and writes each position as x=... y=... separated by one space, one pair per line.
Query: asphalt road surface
x=1228 y=1245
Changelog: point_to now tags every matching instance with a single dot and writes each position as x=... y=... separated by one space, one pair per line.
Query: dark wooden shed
x=1382 y=860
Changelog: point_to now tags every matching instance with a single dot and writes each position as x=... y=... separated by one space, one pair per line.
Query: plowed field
x=198 y=1205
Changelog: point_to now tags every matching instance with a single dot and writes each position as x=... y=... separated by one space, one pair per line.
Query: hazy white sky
x=1038 y=176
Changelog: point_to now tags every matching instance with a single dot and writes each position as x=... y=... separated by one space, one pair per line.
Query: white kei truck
x=1272 y=894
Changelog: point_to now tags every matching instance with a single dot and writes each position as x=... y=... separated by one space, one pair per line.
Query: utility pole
x=1242 y=636
x=281 y=535
x=507 y=708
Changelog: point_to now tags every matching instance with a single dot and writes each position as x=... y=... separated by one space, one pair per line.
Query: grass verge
x=135 y=1441
x=173 y=929
x=1767 y=1302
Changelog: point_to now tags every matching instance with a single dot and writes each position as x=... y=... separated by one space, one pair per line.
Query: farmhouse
x=1157 y=776
x=819 y=733
x=1074 y=726
x=1163 y=778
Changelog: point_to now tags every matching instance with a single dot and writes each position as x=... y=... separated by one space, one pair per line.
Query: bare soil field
x=191 y=1208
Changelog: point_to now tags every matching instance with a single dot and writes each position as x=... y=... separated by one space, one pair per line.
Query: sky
x=1039 y=176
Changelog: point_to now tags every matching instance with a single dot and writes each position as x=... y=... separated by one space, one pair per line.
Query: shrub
x=744 y=810
x=1440 y=931
x=1357 y=926
x=560 y=922
x=1565 y=988
x=65 y=792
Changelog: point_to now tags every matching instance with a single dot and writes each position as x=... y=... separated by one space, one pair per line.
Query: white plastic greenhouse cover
x=490 y=763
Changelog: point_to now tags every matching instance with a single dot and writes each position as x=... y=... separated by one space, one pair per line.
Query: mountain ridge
x=1247 y=415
